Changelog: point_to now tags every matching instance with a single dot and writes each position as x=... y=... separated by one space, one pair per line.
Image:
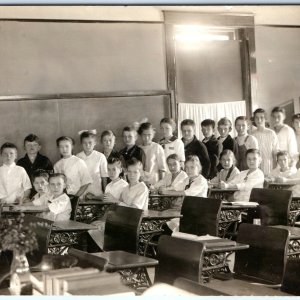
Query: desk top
x=24 y=209
x=223 y=190
x=94 y=202
x=163 y=196
x=71 y=226
x=229 y=248
x=166 y=214
x=236 y=206
x=294 y=231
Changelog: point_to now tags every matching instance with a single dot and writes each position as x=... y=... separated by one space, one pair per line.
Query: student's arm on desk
x=288 y=180
x=26 y=198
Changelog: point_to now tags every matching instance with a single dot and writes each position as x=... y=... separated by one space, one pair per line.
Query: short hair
x=208 y=122
x=32 y=138
x=188 y=122
x=169 y=121
x=259 y=111
x=173 y=156
x=194 y=159
x=227 y=152
x=134 y=162
x=129 y=129
x=252 y=150
x=282 y=153
x=295 y=117
x=8 y=145
x=87 y=134
x=58 y=175
x=107 y=133
x=145 y=126
x=114 y=160
x=40 y=173
x=225 y=121
x=240 y=118
x=65 y=138
x=278 y=109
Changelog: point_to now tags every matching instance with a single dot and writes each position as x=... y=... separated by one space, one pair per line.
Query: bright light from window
x=200 y=37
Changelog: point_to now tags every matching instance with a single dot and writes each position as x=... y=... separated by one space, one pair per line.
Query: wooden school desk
x=162 y=202
x=223 y=194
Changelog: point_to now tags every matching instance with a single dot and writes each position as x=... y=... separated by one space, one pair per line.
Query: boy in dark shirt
x=192 y=146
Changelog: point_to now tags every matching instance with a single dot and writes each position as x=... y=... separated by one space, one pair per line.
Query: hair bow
x=135 y=125
x=93 y=131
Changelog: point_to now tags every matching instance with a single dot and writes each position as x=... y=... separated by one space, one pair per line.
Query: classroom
x=150 y=150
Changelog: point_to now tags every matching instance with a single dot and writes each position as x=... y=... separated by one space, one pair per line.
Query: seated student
x=170 y=143
x=136 y=194
x=229 y=171
x=212 y=145
x=192 y=146
x=96 y=163
x=247 y=179
x=74 y=168
x=33 y=160
x=15 y=184
x=244 y=141
x=131 y=150
x=283 y=168
x=225 y=140
x=56 y=199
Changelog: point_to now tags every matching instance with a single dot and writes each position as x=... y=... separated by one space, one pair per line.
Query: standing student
x=74 y=168
x=296 y=126
x=286 y=135
x=15 y=184
x=244 y=142
x=96 y=163
x=212 y=145
x=267 y=141
x=192 y=146
x=155 y=167
x=108 y=140
x=170 y=143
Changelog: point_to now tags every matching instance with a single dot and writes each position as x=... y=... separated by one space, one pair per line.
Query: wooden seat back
x=291 y=279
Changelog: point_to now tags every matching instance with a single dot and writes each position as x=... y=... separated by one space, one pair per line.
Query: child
x=244 y=142
x=212 y=145
x=170 y=143
x=247 y=179
x=108 y=140
x=136 y=193
x=192 y=146
x=33 y=160
x=131 y=150
x=155 y=166
x=296 y=126
x=57 y=201
x=286 y=135
x=293 y=179
x=15 y=184
x=229 y=171
x=225 y=140
x=96 y=164
x=74 y=168
x=283 y=168
x=267 y=141
x=41 y=185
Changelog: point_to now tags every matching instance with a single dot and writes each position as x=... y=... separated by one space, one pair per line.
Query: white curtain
x=214 y=111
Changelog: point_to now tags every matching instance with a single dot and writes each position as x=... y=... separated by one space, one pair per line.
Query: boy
x=248 y=179
x=33 y=160
x=15 y=184
x=225 y=140
x=212 y=145
x=136 y=193
x=41 y=185
x=192 y=146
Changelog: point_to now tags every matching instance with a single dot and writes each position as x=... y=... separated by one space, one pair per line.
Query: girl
x=108 y=140
x=229 y=171
x=155 y=166
x=96 y=164
x=74 y=168
x=244 y=141
x=170 y=143
x=267 y=141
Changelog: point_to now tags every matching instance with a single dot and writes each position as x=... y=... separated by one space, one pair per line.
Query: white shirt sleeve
x=253 y=143
x=61 y=208
x=141 y=198
x=84 y=174
x=198 y=188
x=181 y=152
x=161 y=159
x=26 y=184
x=103 y=167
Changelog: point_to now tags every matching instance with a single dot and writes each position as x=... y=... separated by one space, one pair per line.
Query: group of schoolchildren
x=172 y=166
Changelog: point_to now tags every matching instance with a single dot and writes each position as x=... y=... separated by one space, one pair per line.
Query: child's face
x=283 y=161
x=226 y=161
x=188 y=132
x=88 y=144
x=147 y=136
x=278 y=118
x=32 y=148
x=253 y=161
x=174 y=165
x=133 y=174
x=108 y=142
x=260 y=119
x=207 y=131
x=113 y=171
x=40 y=185
x=65 y=148
x=57 y=186
x=241 y=127
x=9 y=155
x=223 y=130
x=166 y=130
x=191 y=169
x=296 y=125
x=129 y=138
